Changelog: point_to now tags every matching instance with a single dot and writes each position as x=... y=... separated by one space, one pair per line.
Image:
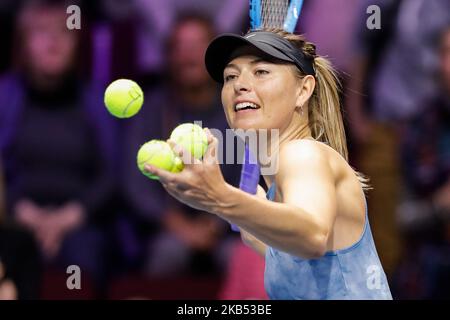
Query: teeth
x=243 y=105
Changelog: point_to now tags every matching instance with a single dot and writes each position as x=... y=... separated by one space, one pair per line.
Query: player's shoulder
x=307 y=156
x=303 y=151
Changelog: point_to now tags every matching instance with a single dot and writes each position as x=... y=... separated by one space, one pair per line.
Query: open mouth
x=246 y=106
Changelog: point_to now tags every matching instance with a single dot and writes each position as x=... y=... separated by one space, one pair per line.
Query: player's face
x=50 y=45
x=266 y=91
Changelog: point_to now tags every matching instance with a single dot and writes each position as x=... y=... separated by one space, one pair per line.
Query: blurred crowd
x=70 y=190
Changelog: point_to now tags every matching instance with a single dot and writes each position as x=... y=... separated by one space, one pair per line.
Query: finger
x=185 y=155
x=209 y=135
x=211 y=156
x=163 y=175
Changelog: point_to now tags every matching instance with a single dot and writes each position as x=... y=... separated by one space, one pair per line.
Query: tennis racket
x=266 y=14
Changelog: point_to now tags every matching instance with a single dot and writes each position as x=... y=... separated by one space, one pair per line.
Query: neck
x=298 y=128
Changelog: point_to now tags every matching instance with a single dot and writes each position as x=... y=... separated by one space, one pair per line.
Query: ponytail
x=325 y=117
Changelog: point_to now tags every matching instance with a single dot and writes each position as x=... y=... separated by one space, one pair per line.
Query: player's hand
x=201 y=184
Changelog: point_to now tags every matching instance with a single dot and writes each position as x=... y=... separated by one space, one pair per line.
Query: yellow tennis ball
x=178 y=165
x=159 y=154
x=124 y=98
x=192 y=138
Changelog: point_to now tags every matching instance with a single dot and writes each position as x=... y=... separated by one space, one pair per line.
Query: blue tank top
x=351 y=273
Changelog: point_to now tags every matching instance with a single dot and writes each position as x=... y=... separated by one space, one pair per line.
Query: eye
x=230 y=77
x=261 y=72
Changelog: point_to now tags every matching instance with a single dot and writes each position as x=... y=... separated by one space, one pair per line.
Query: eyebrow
x=254 y=61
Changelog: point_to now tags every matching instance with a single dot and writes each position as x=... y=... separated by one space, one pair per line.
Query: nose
x=242 y=83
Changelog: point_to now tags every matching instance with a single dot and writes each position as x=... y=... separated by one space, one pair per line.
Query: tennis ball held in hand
x=159 y=154
x=191 y=137
x=123 y=98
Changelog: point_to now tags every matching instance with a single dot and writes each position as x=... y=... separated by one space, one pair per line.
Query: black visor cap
x=220 y=50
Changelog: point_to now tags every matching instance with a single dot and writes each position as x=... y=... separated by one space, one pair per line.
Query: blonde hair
x=324 y=106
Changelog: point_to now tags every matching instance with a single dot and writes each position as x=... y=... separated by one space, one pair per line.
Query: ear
x=305 y=90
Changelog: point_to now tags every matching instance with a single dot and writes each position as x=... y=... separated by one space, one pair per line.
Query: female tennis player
x=312 y=226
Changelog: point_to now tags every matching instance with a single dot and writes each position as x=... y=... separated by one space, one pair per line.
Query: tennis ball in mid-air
x=191 y=137
x=159 y=154
x=124 y=98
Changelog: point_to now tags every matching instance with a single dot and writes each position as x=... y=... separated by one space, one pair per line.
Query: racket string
x=273 y=13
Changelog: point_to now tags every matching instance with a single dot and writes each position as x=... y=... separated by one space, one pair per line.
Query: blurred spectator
x=133 y=33
x=425 y=213
x=160 y=16
x=319 y=17
x=392 y=71
x=394 y=66
x=186 y=241
x=56 y=141
x=20 y=267
x=316 y=20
